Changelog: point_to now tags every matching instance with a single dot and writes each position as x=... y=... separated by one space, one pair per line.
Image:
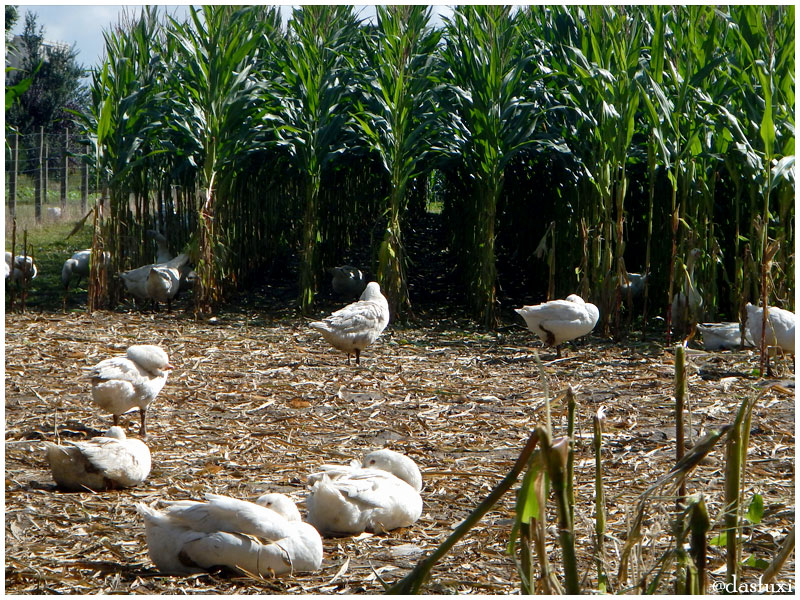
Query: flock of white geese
x=268 y=536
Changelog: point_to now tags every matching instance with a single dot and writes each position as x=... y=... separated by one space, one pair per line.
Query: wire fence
x=52 y=164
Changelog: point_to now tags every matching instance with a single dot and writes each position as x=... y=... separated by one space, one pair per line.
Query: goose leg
x=143 y=416
x=358 y=356
x=116 y=419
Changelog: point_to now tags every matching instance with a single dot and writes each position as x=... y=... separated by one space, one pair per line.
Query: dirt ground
x=258 y=400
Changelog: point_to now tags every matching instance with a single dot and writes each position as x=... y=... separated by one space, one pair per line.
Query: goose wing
x=357 y=317
x=118 y=368
x=126 y=462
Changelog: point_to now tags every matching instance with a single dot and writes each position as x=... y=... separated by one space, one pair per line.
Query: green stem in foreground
x=412 y=583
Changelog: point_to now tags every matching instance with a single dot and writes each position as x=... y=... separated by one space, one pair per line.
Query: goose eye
x=372 y=462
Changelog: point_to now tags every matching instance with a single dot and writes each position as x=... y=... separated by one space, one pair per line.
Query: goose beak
x=168 y=367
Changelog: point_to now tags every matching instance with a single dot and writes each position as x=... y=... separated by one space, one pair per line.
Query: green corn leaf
x=755 y=511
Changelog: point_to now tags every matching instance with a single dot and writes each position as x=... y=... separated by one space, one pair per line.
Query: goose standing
x=108 y=461
x=348 y=281
x=379 y=495
x=357 y=325
x=163 y=254
x=24 y=268
x=780 y=326
x=559 y=321
x=264 y=538
x=135 y=280
x=162 y=284
x=687 y=308
x=77 y=265
x=122 y=383
x=634 y=284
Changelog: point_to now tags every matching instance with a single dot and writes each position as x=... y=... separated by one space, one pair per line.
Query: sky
x=83 y=25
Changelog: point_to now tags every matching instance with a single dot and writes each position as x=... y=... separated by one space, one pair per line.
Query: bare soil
x=257 y=401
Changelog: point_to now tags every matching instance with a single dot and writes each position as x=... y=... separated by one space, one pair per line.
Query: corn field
x=565 y=145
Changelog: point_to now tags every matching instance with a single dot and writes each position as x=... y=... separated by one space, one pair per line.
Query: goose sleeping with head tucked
x=380 y=494
x=357 y=325
x=104 y=462
x=122 y=383
x=723 y=336
x=263 y=538
x=559 y=321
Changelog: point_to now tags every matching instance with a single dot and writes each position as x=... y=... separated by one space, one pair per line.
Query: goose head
x=399 y=465
x=151 y=358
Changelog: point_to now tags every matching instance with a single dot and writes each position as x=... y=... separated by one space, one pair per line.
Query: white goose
x=77 y=265
x=559 y=321
x=24 y=267
x=379 y=495
x=723 y=336
x=163 y=255
x=162 y=284
x=135 y=280
x=108 y=461
x=780 y=327
x=264 y=538
x=687 y=308
x=348 y=281
x=357 y=325
x=122 y=383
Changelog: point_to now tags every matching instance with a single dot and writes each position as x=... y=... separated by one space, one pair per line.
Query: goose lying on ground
x=780 y=327
x=162 y=284
x=723 y=336
x=264 y=538
x=122 y=383
x=135 y=280
x=348 y=281
x=24 y=267
x=559 y=321
x=379 y=495
x=76 y=266
x=357 y=325
x=108 y=461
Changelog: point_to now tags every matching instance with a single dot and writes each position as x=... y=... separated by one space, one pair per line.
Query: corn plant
x=315 y=88
x=400 y=119
x=218 y=116
x=490 y=75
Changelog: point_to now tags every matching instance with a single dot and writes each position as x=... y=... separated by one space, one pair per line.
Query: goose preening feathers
x=122 y=383
x=24 y=268
x=76 y=266
x=108 y=461
x=723 y=336
x=162 y=284
x=348 y=281
x=380 y=494
x=559 y=321
x=357 y=325
x=135 y=280
x=780 y=327
x=263 y=538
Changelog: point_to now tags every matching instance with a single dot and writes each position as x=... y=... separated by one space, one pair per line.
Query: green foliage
x=55 y=89
x=619 y=128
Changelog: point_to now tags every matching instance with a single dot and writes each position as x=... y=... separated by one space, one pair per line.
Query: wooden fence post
x=64 y=174
x=37 y=198
x=12 y=176
x=46 y=169
x=84 y=186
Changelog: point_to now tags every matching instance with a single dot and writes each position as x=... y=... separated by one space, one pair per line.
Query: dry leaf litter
x=257 y=402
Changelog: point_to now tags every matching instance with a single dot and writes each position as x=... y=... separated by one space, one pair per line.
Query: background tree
x=57 y=87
